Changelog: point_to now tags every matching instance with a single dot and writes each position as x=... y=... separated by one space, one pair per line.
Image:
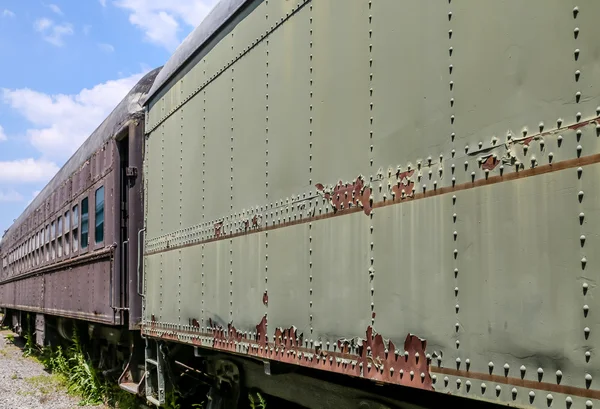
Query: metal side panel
x=289 y=108
x=340 y=56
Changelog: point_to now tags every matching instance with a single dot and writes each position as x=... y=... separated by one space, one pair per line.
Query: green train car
x=401 y=191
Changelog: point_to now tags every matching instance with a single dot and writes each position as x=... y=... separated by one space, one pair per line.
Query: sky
x=64 y=66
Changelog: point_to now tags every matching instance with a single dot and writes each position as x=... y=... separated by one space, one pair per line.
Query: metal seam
x=310 y=135
x=371 y=161
x=455 y=260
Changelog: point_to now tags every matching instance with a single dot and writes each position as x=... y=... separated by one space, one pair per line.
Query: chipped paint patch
x=346 y=195
x=371 y=357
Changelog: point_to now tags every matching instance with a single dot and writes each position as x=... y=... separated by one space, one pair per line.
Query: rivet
x=575 y=12
x=458 y=382
x=586 y=309
x=523 y=369
x=531 y=394
x=483 y=387
x=586 y=332
x=514 y=392
x=589 y=404
x=588 y=355
x=434 y=378
x=498 y=389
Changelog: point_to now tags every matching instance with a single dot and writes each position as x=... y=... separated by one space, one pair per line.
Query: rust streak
x=492 y=180
x=525 y=383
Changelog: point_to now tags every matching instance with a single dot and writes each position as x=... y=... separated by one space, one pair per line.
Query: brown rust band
x=524 y=383
x=491 y=180
x=373 y=360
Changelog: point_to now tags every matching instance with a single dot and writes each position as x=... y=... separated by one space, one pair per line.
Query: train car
x=342 y=193
x=67 y=259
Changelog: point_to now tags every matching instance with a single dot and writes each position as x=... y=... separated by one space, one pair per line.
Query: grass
x=72 y=369
x=46 y=383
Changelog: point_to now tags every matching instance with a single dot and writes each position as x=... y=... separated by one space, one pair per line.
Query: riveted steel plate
x=340 y=55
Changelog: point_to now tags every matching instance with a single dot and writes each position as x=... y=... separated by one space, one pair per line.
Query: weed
x=171 y=401
x=30 y=348
x=10 y=338
x=14 y=376
x=262 y=403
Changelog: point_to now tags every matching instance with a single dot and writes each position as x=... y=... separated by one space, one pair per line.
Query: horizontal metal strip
x=104 y=319
x=524 y=383
x=86 y=258
x=540 y=170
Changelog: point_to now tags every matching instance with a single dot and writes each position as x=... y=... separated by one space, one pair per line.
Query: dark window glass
x=99 y=229
x=84 y=223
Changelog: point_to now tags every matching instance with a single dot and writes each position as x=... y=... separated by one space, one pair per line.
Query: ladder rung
x=151 y=361
x=153 y=401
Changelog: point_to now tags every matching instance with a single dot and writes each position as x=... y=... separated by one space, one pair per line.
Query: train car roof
x=218 y=17
x=130 y=107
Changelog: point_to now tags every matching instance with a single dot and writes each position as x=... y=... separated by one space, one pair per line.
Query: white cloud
x=162 y=21
x=60 y=123
x=8 y=13
x=107 y=48
x=51 y=32
x=2 y=134
x=55 y=9
x=42 y=24
x=102 y=2
x=27 y=171
x=10 y=196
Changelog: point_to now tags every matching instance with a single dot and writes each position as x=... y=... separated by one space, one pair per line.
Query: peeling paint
x=372 y=357
x=218 y=229
x=489 y=163
x=346 y=195
x=404 y=186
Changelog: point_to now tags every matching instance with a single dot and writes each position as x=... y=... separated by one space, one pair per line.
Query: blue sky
x=65 y=65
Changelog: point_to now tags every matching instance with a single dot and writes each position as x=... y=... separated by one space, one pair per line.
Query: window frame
x=102 y=227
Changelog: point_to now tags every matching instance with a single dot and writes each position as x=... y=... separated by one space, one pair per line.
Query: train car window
x=75 y=228
x=84 y=223
x=67 y=222
x=52 y=240
x=59 y=241
x=99 y=228
x=67 y=235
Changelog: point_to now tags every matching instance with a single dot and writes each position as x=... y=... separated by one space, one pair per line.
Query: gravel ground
x=24 y=384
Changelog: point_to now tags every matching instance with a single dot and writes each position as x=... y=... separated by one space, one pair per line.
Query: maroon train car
x=71 y=257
